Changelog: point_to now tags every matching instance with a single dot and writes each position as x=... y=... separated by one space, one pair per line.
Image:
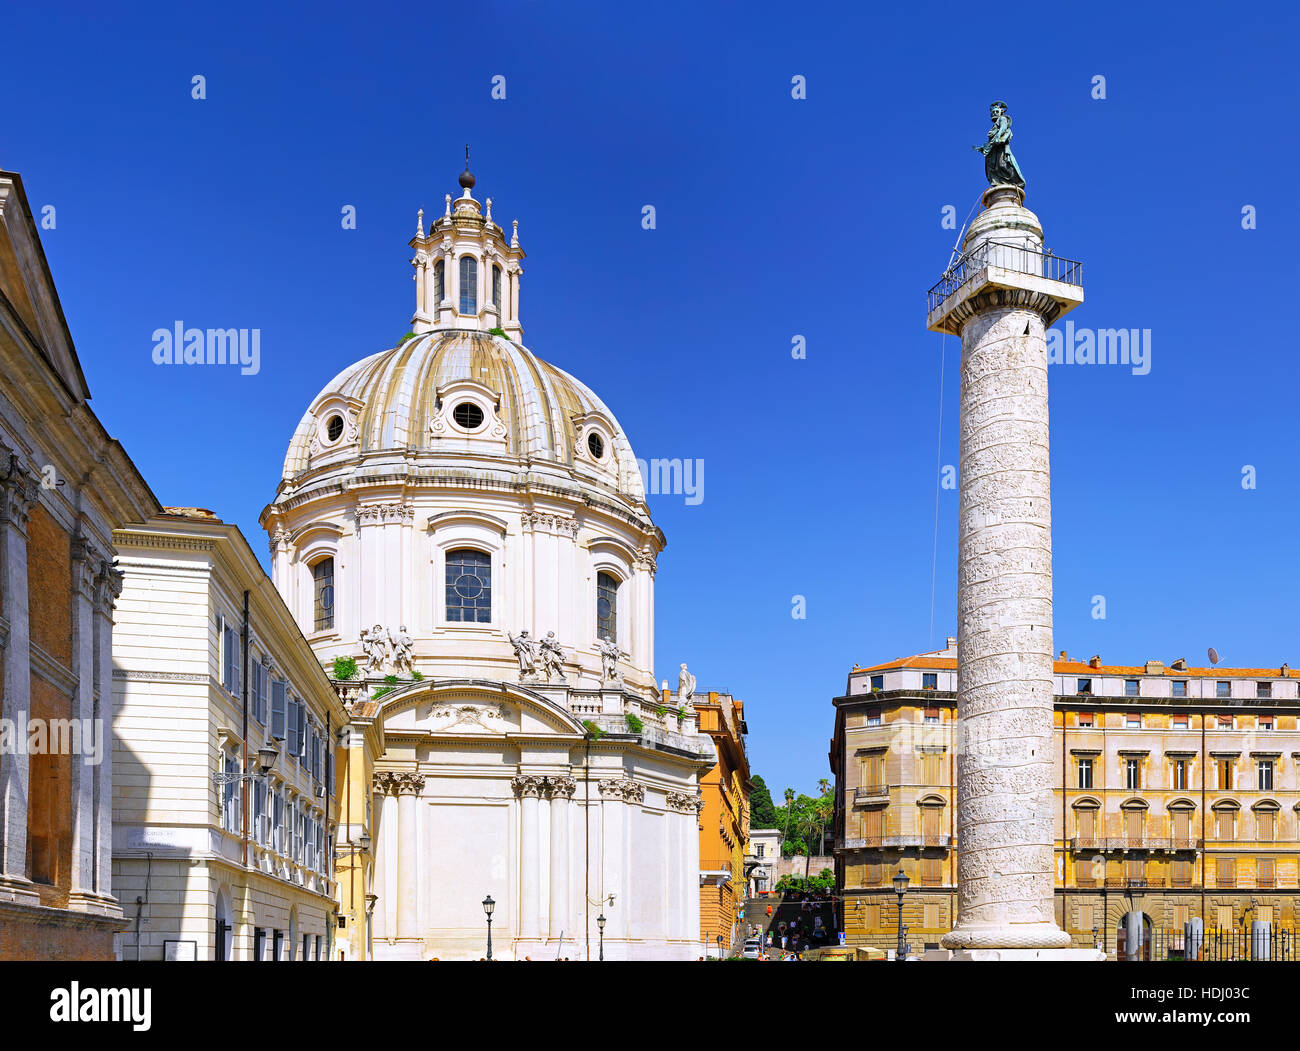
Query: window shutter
x=302 y=728
x=277 y=709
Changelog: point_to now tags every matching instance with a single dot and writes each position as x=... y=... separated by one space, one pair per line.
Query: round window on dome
x=334 y=427
x=596 y=445
x=467 y=415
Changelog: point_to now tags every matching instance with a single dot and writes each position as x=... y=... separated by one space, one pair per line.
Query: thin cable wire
x=938 y=478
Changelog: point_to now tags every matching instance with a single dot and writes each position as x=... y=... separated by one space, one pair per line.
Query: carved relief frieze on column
x=528 y=786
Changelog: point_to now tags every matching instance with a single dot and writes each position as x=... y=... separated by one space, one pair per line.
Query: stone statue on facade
x=1000 y=167
x=552 y=657
x=609 y=655
x=685 y=687
x=525 y=652
x=375 y=644
x=403 y=646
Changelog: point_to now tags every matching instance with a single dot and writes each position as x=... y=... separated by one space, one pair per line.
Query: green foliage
x=416 y=676
x=409 y=335
x=596 y=732
x=633 y=723
x=498 y=332
x=822 y=883
x=379 y=691
x=762 y=811
x=345 y=668
x=661 y=711
x=802 y=821
x=390 y=680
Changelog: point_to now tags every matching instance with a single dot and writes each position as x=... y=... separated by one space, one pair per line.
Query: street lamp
x=719 y=946
x=900 y=888
x=600 y=924
x=488 y=906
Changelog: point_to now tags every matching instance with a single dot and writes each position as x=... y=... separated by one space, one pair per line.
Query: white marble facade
x=460 y=443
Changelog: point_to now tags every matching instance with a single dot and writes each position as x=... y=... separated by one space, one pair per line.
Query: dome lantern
x=466 y=271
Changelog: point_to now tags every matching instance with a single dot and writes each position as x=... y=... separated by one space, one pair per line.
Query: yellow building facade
x=724 y=819
x=1177 y=801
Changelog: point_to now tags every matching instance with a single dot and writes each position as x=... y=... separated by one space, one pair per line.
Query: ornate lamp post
x=488 y=906
x=900 y=888
x=600 y=924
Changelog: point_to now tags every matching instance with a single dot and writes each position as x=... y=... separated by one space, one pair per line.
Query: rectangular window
x=1086 y=719
x=1182 y=829
x=1086 y=823
x=1225 y=872
x=1265 y=876
x=931 y=872
x=1181 y=914
x=323 y=594
x=873 y=716
x=1182 y=876
x=873 y=825
x=1265 y=722
x=1132 y=773
x=877 y=682
x=321 y=865
x=1180 y=774
x=1223 y=913
x=277 y=709
x=929 y=680
x=1085 y=918
x=277 y=945
x=932 y=915
x=293 y=726
x=1180 y=687
x=761 y=850
x=1130 y=687
x=1085 y=773
x=259 y=812
x=1223 y=688
x=932 y=716
x=233 y=661
x=1263 y=689
x=1223 y=825
x=1265 y=826
x=259 y=941
x=1225 y=775
x=607 y=607
x=469 y=586
x=1133 y=720
x=1264 y=774
x=257 y=700
x=1084 y=686
x=871 y=874
x=1133 y=821
x=468 y=285
x=230 y=795
x=1180 y=720
x=1223 y=722
x=278 y=843
x=496 y=286
x=1135 y=871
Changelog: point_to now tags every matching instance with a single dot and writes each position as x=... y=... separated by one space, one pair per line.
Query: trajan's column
x=1000 y=297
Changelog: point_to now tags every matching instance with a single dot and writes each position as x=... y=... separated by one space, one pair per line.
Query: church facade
x=462 y=533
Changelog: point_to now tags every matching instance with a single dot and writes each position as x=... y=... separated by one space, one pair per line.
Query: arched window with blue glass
x=607 y=606
x=439 y=283
x=323 y=594
x=496 y=287
x=469 y=586
x=468 y=285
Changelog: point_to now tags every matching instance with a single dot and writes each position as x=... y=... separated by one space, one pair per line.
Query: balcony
x=864 y=793
x=1123 y=843
x=997 y=264
x=1133 y=882
x=1266 y=882
x=902 y=842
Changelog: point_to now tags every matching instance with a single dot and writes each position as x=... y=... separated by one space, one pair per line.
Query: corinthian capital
x=563 y=787
x=527 y=785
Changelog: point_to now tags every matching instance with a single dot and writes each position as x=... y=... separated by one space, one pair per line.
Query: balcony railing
x=869 y=792
x=1133 y=882
x=903 y=840
x=1266 y=882
x=1135 y=843
x=1021 y=259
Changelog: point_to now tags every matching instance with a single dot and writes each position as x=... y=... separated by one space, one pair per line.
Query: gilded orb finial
x=466 y=178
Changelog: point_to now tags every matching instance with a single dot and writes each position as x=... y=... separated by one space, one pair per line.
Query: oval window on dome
x=596 y=445
x=467 y=415
x=334 y=427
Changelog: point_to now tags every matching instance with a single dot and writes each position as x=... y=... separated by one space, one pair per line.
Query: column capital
x=108 y=586
x=385 y=514
x=20 y=490
x=562 y=787
x=622 y=788
x=527 y=785
x=685 y=802
x=409 y=783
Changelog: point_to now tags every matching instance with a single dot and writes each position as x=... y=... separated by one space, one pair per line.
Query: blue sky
x=776 y=217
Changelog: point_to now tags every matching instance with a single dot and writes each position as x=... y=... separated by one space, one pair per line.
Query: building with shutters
x=468 y=524
x=65 y=485
x=1177 y=799
x=225 y=803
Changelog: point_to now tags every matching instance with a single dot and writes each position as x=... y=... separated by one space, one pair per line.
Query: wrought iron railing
x=1019 y=258
x=1263 y=943
x=869 y=792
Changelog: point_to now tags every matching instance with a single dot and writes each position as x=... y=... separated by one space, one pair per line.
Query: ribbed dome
x=392 y=403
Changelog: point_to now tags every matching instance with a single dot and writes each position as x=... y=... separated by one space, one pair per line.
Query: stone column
x=613 y=808
x=18 y=494
x=1004 y=583
x=562 y=789
x=381 y=812
x=408 y=900
x=85 y=568
x=529 y=791
x=108 y=586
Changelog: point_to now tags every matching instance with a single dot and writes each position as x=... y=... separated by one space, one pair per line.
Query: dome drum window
x=468 y=285
x=607 y=606
x=468 y=415
x=469 y=586
x=334 y=428
x=596 y=445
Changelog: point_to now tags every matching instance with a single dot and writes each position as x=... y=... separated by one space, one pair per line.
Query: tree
x=762 y=811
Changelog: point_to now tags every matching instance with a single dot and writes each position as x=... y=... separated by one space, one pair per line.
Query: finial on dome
x=466 y=178
x=514 y=237
x=489 y=210
x=448 y=211
x=419 y=223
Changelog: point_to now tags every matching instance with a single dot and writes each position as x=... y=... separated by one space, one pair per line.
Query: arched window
x=607 y=606
x=323 y=580
x=468 y=285
x=439 y=282
x=469 y=586
x=496 y=286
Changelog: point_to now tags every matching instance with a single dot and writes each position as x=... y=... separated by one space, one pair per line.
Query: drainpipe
x=243 y=689
x=1204 y=859
x=1065 y=864
x=586 y=842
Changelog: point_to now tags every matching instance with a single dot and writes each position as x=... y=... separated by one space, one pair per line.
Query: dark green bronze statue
x=1000 y=167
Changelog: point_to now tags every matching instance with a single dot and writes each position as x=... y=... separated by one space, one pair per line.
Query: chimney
x=1094 y=661
x=1155 y=668
x=1064 y=656
x=1179 y=665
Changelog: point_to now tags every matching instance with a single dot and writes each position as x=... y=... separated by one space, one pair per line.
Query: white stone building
x=445 y=506
x=211 y=676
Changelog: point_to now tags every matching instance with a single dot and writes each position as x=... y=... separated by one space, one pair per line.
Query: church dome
x=458 y=392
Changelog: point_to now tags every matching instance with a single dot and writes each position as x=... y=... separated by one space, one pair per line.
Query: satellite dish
x=1214 y=656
